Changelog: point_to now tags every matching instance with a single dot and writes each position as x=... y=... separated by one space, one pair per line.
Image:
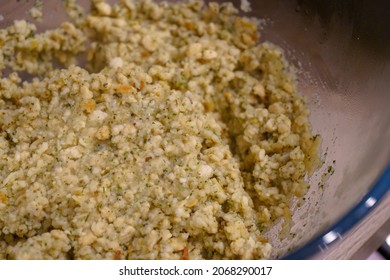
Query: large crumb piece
x=36 y=11
x=245 y=6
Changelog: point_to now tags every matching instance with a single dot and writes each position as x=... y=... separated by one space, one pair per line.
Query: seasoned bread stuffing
x=182 y=136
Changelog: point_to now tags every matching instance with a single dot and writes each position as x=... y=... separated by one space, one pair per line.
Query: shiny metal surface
x=342 y=52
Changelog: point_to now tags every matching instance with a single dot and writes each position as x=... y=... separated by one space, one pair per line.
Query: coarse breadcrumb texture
x=51 y=245
x=183 y=137
x=21 y=49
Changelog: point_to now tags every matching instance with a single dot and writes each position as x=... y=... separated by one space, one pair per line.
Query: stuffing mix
x=181 y=136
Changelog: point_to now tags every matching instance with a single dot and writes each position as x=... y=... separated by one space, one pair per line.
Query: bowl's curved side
x=326 y=238
x=341 y=51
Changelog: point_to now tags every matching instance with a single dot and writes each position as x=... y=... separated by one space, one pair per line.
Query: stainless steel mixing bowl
x=342 y=52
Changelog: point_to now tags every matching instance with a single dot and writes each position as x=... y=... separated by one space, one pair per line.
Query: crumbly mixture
x=183 y=137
